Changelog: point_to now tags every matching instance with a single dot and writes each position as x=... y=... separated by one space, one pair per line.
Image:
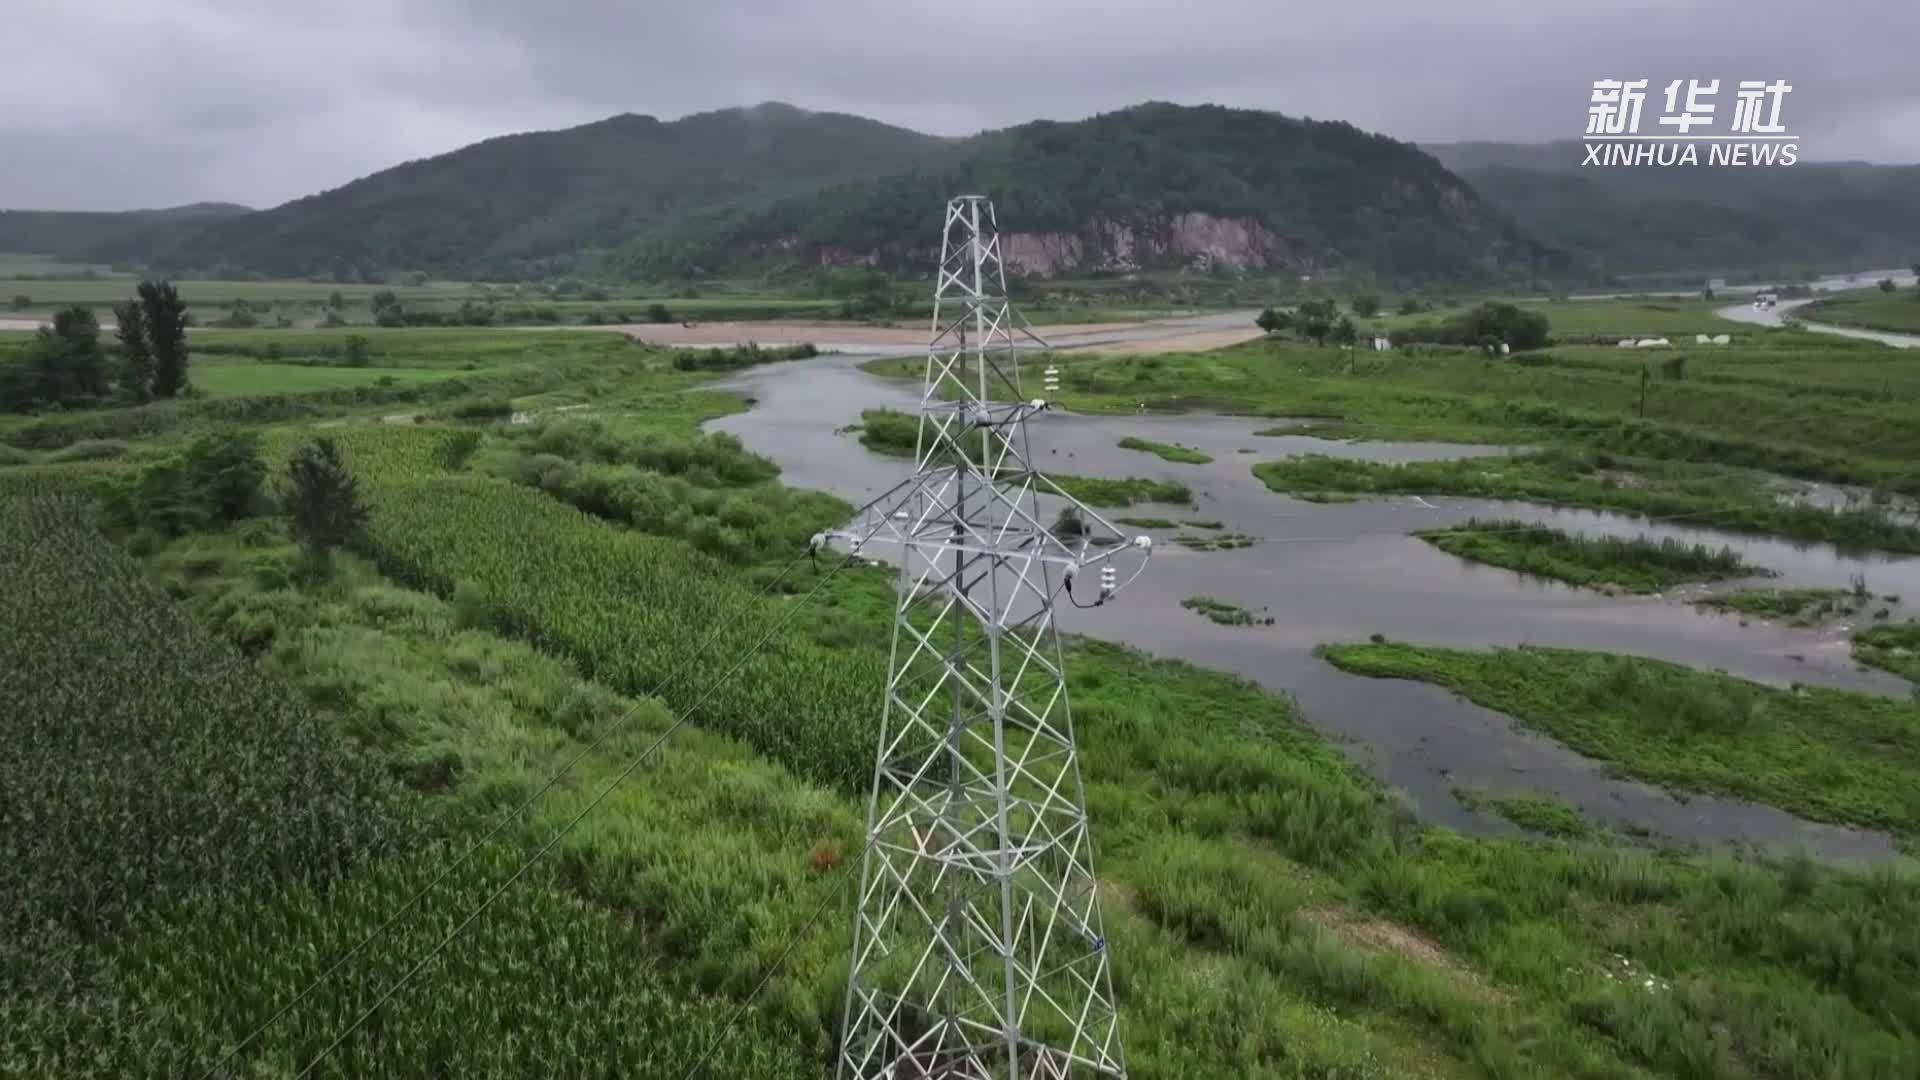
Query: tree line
x=65 y=366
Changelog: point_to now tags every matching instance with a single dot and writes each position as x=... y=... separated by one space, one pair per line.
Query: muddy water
x=1342 y=572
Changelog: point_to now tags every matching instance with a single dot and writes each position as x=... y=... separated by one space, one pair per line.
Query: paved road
x=1747 y=313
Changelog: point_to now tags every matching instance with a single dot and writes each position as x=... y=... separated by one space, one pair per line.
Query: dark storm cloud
x=112 y=103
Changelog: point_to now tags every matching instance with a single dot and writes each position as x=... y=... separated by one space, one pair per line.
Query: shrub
x=482 y=409
x=1491 y=322
x=216 y=481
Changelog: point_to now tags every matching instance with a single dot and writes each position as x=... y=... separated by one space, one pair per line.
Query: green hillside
x=1120 y=191
x=104 y=237
x=528 y=204
x=1813 y=215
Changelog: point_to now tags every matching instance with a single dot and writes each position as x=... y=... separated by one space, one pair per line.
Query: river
x=1341 y=572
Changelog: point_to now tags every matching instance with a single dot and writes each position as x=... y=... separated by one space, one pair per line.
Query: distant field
x=213 y=293
x=1576 y=320
x=1897 y=311
x=14 y=265
x=249 y=379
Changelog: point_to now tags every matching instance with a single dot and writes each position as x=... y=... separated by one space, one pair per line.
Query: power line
x=559 y=834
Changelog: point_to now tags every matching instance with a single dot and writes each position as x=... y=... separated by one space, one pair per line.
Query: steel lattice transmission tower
x=978 y=949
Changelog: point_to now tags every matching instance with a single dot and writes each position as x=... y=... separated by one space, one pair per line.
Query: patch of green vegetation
x=1801 y=607
x=889 y=431
x=1194 y=523
x=1829 y=755
x=1147 y=522
x=1896 y=312
x=1224 y=613
x=1699 y=495
x=1536 y=812
x=1180 y=454
x=1101 y=491
x=1893 y=648
x=1639 y=565
x=1217 y=542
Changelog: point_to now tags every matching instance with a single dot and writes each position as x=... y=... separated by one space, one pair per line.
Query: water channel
x=1341 y=572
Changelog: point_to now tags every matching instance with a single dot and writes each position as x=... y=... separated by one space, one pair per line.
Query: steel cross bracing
x=978 y=949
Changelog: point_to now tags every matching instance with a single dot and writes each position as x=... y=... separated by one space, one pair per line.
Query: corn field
x=631 y=610
x=146 y=761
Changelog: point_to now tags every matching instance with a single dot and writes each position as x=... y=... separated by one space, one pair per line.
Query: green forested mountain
x=1147 y=187
x=523 y=204
x=106 y=237
x=1816 y=215
x=1153 y=185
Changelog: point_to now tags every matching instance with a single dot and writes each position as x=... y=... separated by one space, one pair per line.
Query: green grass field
x=1897 y=311
x=247 y=379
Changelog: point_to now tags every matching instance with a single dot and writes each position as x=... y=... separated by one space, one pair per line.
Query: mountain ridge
x=774 y=188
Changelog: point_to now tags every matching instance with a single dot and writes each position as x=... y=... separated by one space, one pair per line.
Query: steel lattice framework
x=978 y=949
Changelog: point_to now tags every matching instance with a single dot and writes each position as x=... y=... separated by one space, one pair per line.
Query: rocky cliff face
x=1190 y=241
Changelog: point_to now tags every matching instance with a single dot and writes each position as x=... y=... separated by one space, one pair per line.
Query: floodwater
x=1341 y=572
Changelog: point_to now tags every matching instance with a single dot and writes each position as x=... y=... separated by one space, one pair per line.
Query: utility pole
x=978 y=949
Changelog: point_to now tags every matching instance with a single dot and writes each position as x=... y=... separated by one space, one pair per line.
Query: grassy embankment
x=1638 y=565
x=1269 y=910
x=1896 y=312
x=1829 y=755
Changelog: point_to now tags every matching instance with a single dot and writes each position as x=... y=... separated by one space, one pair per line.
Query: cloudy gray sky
x=111 y=104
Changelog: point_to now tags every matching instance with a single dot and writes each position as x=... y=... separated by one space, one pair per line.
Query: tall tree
x=72 y=367
x=1315 y=319
x=136 y=368
x=323 y=502
x=63 y=365
x=166 y=326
